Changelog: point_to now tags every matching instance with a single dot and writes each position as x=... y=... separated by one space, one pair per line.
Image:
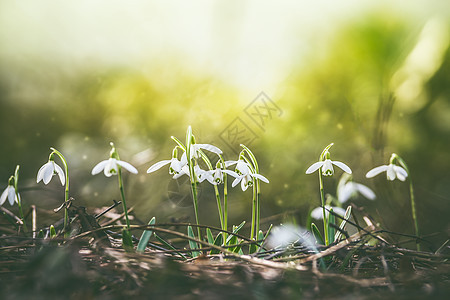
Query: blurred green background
x=373 y=78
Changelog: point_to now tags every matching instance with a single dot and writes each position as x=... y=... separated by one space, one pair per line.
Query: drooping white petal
x=339 y=211
x=99 y=167
x=260 y=177
x=40 y=174
x=401 y=173
x=48 y=172
x=232 y=173
x=345 y=192
x=127 y=166
x=375 y=171
x=317 y=213
x=343 y=166
x=11 y=195
x=244 y=182
x=365 y=191
x=390 y=172
x=158 y=165
x=209 y=147
x=60 y=173
x=175 y=165
x=4 y=196
x=236 y=181
x=314 y=167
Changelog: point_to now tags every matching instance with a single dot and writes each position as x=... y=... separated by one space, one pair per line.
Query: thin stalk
x=413 y=211
x=192 y=176
x=66 y=192
x=122 y=194
x=411 y=196
x=19 y=201
x=322 y=198
x=225 y=205
x=216 y=189
x=253 y=212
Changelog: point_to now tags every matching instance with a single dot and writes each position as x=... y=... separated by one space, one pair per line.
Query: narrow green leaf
x=192 y=244
x=165 y=243
x=331 y=221
x=40 y=235
x=209 y=236
x=145 y=237
x=217 y=242
x=127 y=241
x=235 y=230
x=348 y=213
x=264 y=237
x=317 y=235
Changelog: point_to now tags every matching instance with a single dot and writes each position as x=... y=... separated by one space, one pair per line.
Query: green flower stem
x=322 y=157
x=189 y=138
x=122 y=194
x=66 y=193
x=411 y=195
x=254 y=211
x=322 y=198
x=225 y=206
x=19 y=202
x=216 y=189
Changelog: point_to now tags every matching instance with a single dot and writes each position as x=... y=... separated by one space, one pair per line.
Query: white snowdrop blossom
x=245 y=174
x=392 y=171
x=347 y=189
x=10 y=194
x=47 y=171
x=215 y=177
x=317 y=213
x=111 y=167
x=327 y=167
x=175 y=168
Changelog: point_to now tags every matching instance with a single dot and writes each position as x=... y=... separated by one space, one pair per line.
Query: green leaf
x=127 y=241
x=165 y=243
x=145 y=237
x=40 y=235
x=264 y=237
x=317 y=235
x=192 y=244
x=235 y=230
x=347 y=215
x=209 y=236
x=331 y=221
x=217 y=242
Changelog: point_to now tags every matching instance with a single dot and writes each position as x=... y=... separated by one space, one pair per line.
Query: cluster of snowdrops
x=190 y=159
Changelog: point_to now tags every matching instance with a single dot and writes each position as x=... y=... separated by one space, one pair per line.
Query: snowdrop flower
x=317 y=213
x=327 y=166
x=215 y=177
x=49 y=169
x=245 y=174
x=347 y=189
x=392 y=172
x=111 y=166
x=176 y=166
x=9 y=193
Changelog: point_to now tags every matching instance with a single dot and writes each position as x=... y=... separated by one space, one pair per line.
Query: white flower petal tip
x=8 y=194
x=343 y=166
x=314 y=167
x=375 y=171
x=127 y=166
